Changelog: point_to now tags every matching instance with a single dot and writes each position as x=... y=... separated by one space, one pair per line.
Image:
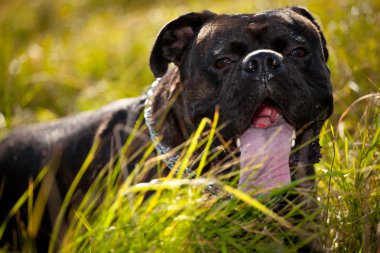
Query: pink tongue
x=265 y=150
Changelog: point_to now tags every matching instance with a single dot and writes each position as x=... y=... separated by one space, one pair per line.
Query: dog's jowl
x=266 y=73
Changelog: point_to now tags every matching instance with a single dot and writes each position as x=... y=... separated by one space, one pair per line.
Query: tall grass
x=207 y=214
x=350 y=185
x=173 y=214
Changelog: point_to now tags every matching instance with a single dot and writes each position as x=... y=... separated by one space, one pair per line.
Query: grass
x=350 y=182
x=60 y=57
x=180 y=216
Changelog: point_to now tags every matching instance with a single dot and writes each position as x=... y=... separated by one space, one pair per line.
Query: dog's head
x=267 y=74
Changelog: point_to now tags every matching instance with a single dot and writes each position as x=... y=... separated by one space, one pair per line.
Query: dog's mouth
x=265 y=149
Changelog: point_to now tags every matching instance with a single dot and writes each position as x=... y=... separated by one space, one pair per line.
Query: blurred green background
x=63 y=56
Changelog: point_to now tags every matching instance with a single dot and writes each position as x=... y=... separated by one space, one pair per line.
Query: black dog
x=265 y=72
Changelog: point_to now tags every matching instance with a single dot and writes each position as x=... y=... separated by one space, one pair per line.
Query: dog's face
x=267 y=74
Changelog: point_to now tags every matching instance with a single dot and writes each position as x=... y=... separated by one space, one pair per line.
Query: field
x=65 y=56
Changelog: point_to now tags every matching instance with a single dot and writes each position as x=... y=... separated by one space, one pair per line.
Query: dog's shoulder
x=123 y=116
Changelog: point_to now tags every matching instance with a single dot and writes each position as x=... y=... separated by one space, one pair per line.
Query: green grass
x=181 y=216
x=349 y=185
x=60 y=57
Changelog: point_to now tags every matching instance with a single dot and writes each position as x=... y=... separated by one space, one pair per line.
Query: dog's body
x=265 y=72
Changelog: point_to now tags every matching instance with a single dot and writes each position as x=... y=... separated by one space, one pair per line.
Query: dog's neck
x=160 y=118
x=160 y=147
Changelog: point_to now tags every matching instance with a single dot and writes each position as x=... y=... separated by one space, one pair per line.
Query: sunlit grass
x=350 y=185
x=181 y=216
x=171 y=214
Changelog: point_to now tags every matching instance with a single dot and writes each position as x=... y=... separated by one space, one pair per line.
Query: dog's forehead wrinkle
x=207 y=30
x=285 y=24
x=257 y=27
x=299 y=38
x=218 y=51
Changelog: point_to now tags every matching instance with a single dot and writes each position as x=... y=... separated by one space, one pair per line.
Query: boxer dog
x=266 y=73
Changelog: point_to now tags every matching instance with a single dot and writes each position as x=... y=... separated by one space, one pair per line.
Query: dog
x=266 y=73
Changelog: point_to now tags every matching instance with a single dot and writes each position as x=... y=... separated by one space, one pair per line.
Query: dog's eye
x=222 y=63
x=299 y=52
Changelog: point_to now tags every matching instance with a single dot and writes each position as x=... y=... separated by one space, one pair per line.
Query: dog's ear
x=173 y=40
x=304 y=12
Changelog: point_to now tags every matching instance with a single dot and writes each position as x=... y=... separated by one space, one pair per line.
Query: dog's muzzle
x=266 y=145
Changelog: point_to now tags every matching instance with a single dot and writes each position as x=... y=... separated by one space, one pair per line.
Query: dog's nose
x=263 y=62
